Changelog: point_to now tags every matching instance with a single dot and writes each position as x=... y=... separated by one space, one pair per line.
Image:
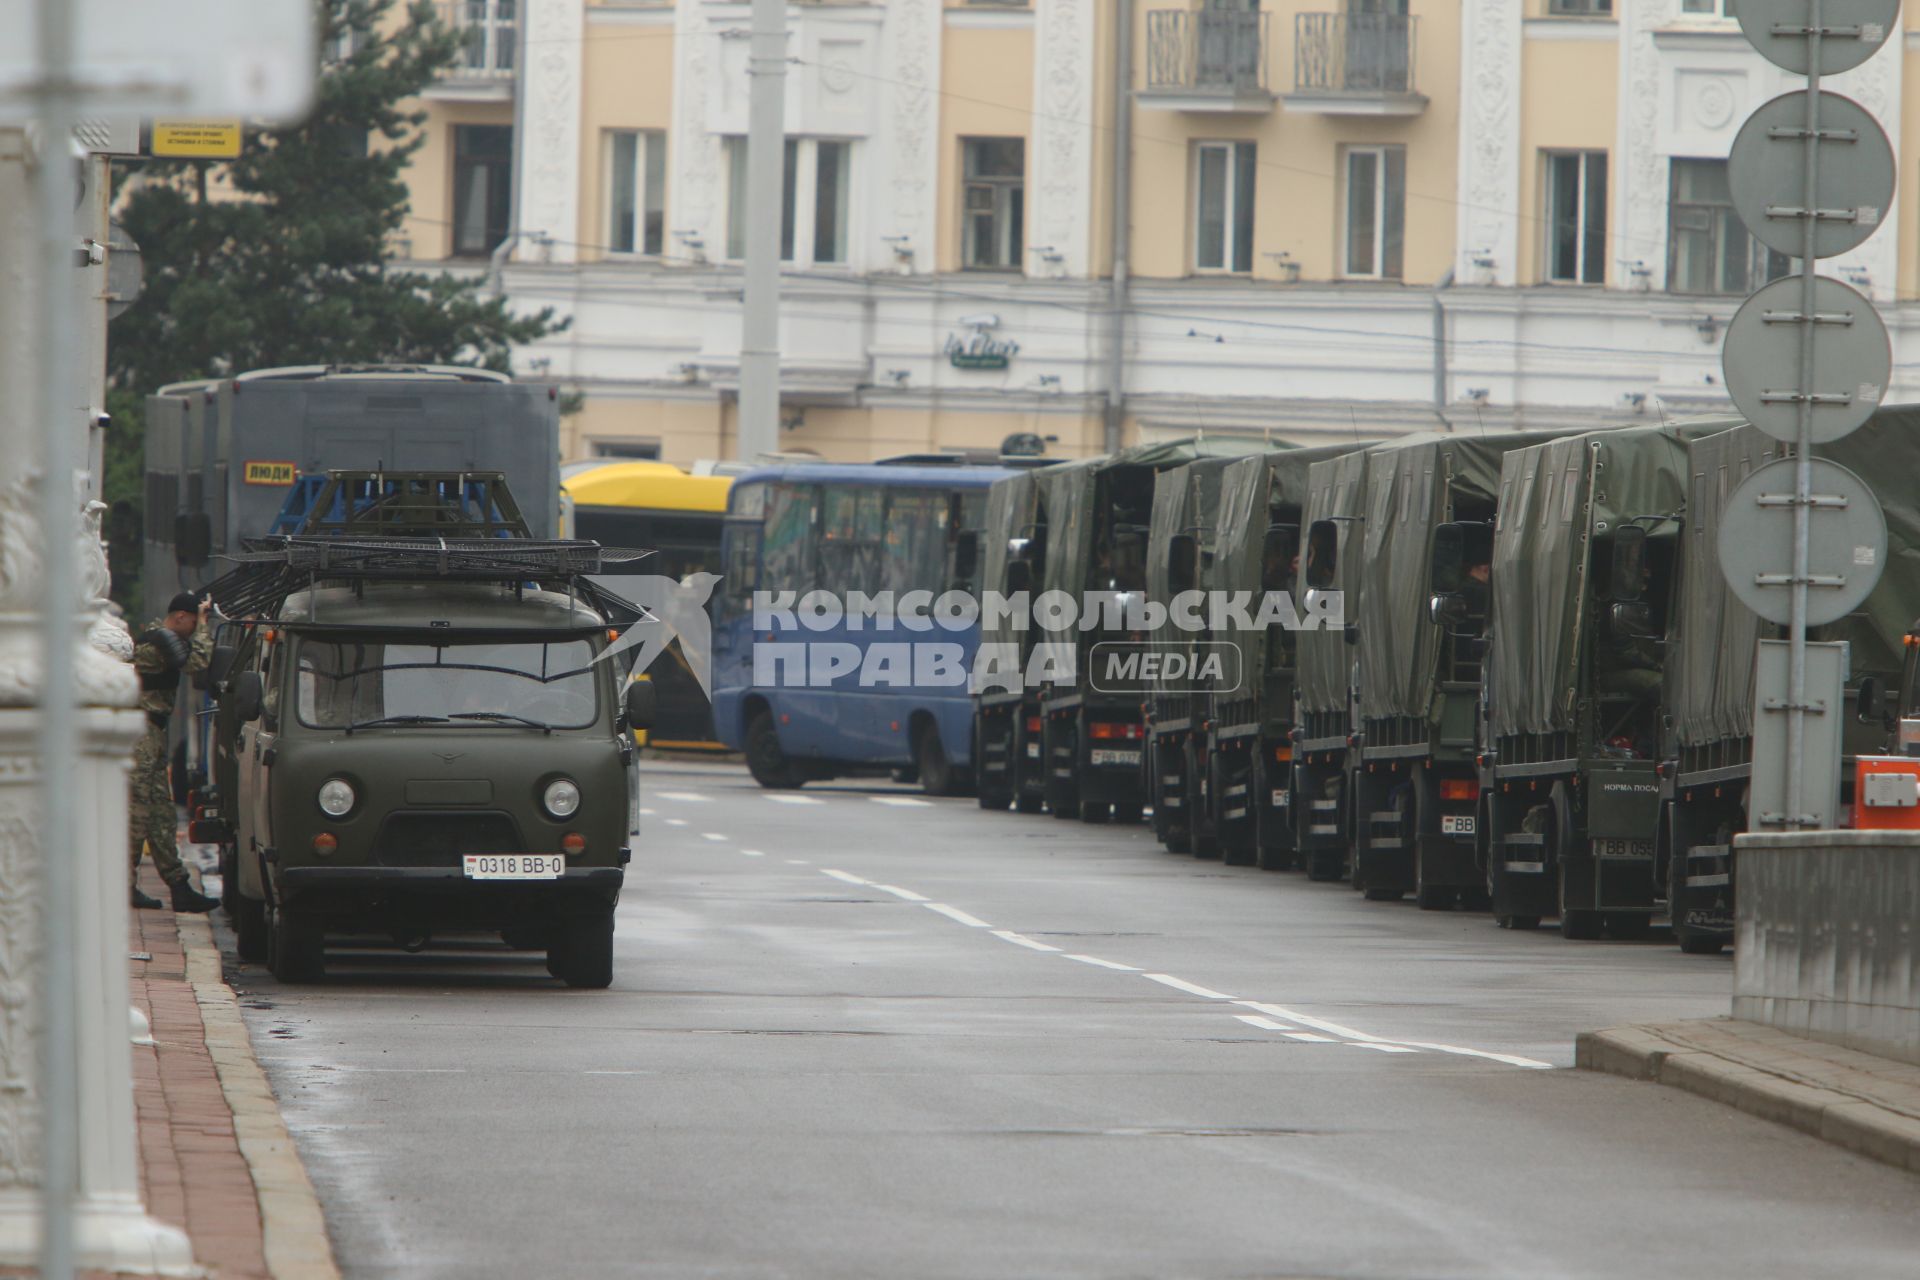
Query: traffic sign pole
x=1803 y=448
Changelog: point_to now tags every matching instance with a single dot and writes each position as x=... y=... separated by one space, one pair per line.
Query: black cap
x=185 y=602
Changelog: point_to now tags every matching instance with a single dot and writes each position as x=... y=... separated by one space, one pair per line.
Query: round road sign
x=1858 y=28
x=1766 y=173
x=1852 y=359
x=1845 y=550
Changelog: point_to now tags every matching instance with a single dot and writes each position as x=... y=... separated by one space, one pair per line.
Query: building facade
x=1116 y=219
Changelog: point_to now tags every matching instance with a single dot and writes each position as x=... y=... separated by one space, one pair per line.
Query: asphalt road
x=855 y=1033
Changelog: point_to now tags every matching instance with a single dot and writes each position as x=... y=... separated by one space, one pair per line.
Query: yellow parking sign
x=201 y=139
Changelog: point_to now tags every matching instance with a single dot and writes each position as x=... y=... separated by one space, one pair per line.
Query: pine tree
x=288 y=263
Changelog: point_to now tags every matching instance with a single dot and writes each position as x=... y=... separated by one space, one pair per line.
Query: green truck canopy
x=1335 y=490
x=1186 y=499
x=1012 y=505
x=1555 y=500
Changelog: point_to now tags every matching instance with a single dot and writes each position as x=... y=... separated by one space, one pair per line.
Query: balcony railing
x=1353 y=53
x=489 y=31
x=1207 y=52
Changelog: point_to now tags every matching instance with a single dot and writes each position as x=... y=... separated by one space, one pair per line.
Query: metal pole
x=1803 y=448
x=1122 y=220
x=759 y=424
x=60 y=453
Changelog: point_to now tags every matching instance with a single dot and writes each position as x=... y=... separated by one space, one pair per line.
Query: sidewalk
x=215 y=1157
x=1859 y=1101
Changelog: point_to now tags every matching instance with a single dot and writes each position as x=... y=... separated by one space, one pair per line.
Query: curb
x=1831 y=1114
x=292 y=1226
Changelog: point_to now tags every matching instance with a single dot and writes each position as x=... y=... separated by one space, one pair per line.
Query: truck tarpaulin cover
x=1556 y=500
x=1011 y=505
x=1269 y=488
x=1335 y=489
x=1709 y=662
x=1186 y=499
x=1413 y=485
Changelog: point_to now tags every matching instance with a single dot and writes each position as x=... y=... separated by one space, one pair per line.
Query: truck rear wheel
x=937 y=774
x=766 y=761
x=296 y=950
x=249 y=917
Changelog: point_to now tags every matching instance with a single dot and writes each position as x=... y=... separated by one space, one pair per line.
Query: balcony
x=489 y=32
x=1207 y=60
x=1354 y=64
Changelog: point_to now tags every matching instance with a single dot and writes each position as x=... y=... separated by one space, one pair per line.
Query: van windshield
x=342 y=683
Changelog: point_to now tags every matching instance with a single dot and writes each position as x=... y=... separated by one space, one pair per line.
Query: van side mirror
x=642 y=700
x=1629 y=577
x=966 y=558
x=1323 y=553
x=1631 y=620
x=1019 y=576
x=192 y=538
x=1449 y=611
x=220 y=664
x=1872 y=701
x=1183 y=563
x=248 y=694
x=1457 y=547
x=1277 y=556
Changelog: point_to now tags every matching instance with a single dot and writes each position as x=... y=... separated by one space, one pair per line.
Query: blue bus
x=829 y=682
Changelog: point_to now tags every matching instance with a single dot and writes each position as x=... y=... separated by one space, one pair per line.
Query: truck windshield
x=344 y=682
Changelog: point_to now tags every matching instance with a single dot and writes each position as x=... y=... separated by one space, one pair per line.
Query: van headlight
x=562 y=798
x=336 y=797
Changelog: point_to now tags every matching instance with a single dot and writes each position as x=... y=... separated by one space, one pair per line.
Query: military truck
x=415 y=732
x=1570 y=702
x=1247 y=739
x=1187 y=523
x=1707 y=755
x=1092 y=727
x=1008 y=766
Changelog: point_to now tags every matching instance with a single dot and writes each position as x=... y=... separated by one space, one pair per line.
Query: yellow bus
x=658 y=506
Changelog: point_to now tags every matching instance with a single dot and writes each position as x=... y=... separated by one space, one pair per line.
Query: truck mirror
x=219 y=663
x=1629 y=577
x=248 y=695
x=1449 y=610
x=1018 y=549
x=1350 y=633
x=1323 y=552
x=641 y=702
x=1631 y=620
x=192 y=538
x=1457 y=549
x=1019 y=576
x=1280 y=558
x=1183 y=563
x=1872 y=701
x=966 y=557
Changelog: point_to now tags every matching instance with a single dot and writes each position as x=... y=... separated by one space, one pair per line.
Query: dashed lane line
x=903 y=802
x=784 y=799
x=957 y=915
x=798 y=862
x=691 y=797
x=848 y=876
x=714 y=836
x=1265 y=1024
x=753 y=853
x=1020 y=940
x=675 y=822
x=898 y=892
x=1180 y=984
x=1105 y=964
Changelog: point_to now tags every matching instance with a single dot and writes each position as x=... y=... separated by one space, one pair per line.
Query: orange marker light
x=326 y=842
x=573 y=843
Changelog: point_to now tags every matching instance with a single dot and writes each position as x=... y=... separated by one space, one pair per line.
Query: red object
x=1886 y=806
x=1459 y=789
x=573 y=843
x=1105 y=729
x=325 y=842
x=1033 y=724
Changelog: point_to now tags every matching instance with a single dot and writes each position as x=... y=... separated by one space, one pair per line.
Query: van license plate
x=1452 y=825
x=514 y=866
x=1101 y=756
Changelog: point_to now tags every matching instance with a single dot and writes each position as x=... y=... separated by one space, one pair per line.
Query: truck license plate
x=1456 y=825
x=514 y=866
x=1101 y=756
x=1033 y=751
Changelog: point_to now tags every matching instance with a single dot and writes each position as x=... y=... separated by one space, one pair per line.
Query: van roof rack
x=401 y=504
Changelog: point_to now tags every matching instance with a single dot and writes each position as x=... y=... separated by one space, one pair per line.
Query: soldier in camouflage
x=178 y=644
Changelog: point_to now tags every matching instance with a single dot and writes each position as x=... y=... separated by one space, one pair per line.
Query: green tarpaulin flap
x=1011 y=507
x=1186 y=500
x=1335 y=491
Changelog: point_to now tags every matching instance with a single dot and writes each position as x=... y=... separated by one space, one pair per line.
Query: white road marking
x=1383 y=1048
x=1311 y=1038
x=1168 y=980
x=955 y=913
x=904 y=802
x=675 y=822
x=693 y=797
x=898 y=892
x=1511 y=1059
x=849 y=877
x=619 y=1073
x=1265 y=1024
x=798 y=862
x=646 y=812
x=1017 y=940
x=753 y=853
x=713 y=835
x=782 y=799
x=1301 y=1018
x=1104 y=964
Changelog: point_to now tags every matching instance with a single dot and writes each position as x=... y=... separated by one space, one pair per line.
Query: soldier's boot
x=144 y=901
x=186 y=898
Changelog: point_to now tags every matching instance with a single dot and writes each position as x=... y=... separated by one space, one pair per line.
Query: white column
x=909 y=133
x=111 y=1231
x=1489 y=221
x=550 y=76
x=1639 y=170
x=696 y=191
x=1060 y=168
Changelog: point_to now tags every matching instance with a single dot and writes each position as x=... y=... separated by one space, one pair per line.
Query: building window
x=994 y=217
x=637 y=191
x=820 y=168
x=1708 y=248
x=487 y=29
x=1580 y=8
x=1577 y=217
x=482 y=187
x=1223 y=206
x=1709 y=8
x=1376 y=214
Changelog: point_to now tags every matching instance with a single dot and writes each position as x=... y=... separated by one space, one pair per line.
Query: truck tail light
x=1283 y=754
x=1033 y=724
x=573 y=844
x=1459 y=789
x=325 y=843
x=1109 y=729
